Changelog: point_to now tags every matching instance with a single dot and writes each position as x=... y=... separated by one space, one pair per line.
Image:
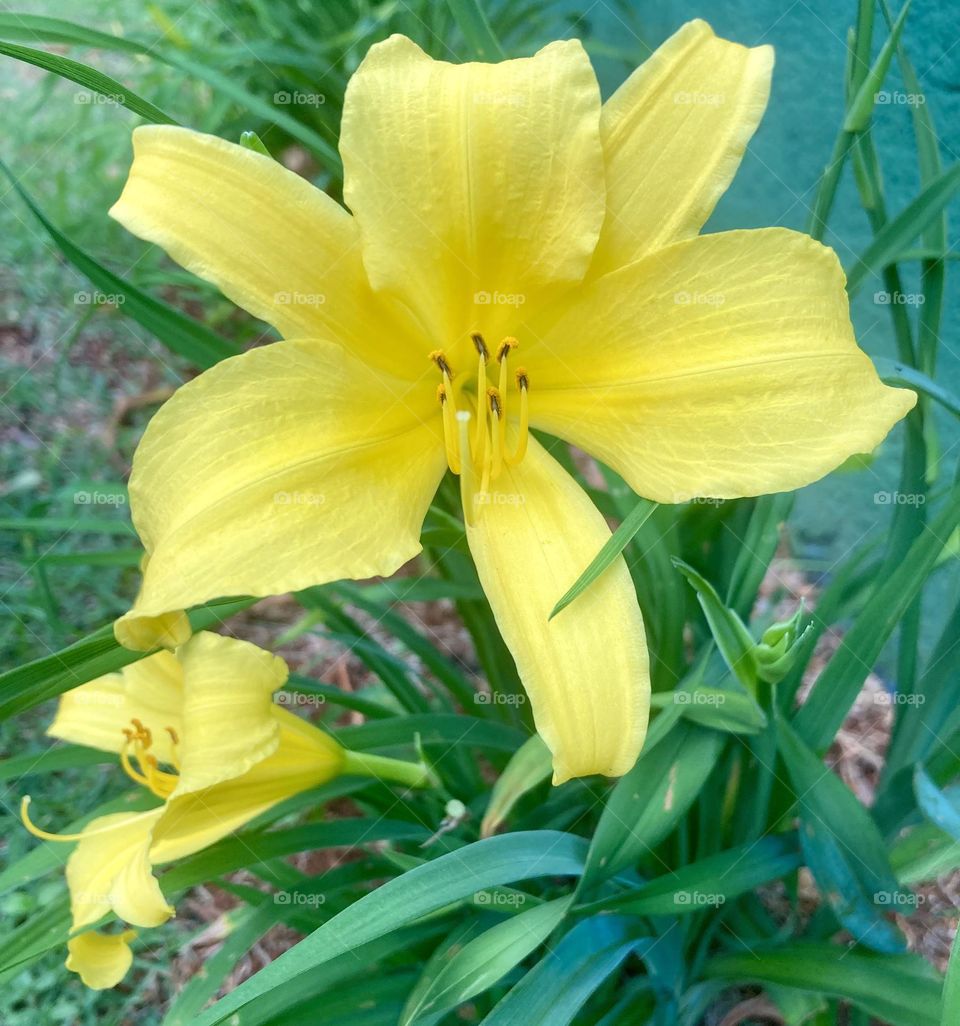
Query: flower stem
x=411 y=774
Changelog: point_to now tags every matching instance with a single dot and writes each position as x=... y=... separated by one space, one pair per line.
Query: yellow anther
x=480 y=345
x=440 y=359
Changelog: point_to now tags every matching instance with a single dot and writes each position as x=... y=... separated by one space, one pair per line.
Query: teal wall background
x=776 y=185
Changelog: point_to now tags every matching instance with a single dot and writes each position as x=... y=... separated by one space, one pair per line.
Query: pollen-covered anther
x=439 y=358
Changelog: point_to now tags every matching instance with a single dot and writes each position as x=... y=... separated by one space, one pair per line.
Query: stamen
x=523 y=384
x=467 y=493
x=479 y=437
x=503 y=351
x=449 y=428
x=497 y=431
x=440 y=360
x=45 y=835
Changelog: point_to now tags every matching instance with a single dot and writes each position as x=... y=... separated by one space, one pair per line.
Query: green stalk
x=397 y=771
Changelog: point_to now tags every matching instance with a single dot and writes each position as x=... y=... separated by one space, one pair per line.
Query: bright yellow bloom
x=515 y=255
x=201 y=731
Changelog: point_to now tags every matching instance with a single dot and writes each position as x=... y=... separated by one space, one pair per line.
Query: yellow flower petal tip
x=101 y=959
x=145 y=633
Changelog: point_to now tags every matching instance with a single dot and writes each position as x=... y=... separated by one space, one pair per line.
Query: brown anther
x=495 y=406
x=441 y=394
x=522 y=380
x=174 y=736
x=505 y=346
x=441 y=361
x=480 y=345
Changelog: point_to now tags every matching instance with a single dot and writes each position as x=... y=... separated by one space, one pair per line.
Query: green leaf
x=481 y=962
x=902 y=990
x=89 y=78
x=735 y=712
x=843 y=848
x=87 y=659
x=179 y=333
x=612 y=548
x=557 y=988
x=242 y=928
x=892 y=372
x=648 y=802
x=37 y=28
x=837 y=687
x=941 y=808
x=709 y=883
x=476 y=30
x=434 y=729
x=951 y=987
x=528 y=767
x=901 y=230
x=861 y=107
x=734 y=641
x=432 y=886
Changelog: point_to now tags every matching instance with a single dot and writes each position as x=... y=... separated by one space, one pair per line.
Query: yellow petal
x=229 y=721
x=95 y=714
x=673 y=136
x=722 y=366
x=109 y=871
x=280 y=248
x=289 y=466
x=473 y=181
x=101 y=959
x=585 y=671
x=305 y=757
x=145 y=633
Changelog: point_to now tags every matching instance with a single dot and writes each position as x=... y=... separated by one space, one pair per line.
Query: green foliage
x=653 y=899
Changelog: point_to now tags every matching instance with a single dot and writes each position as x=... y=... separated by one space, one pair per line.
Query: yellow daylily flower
x=200 y=730
x=515 y=255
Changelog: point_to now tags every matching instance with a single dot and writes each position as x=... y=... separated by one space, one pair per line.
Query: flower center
x=479 y=455
x=147 y=772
